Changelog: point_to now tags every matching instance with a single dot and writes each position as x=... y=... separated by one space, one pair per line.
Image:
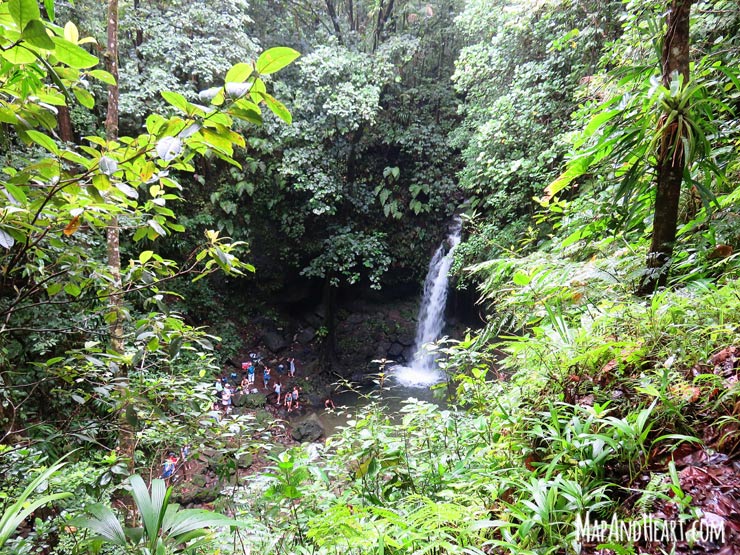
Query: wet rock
x=314 y=320
x=395 y=350
x=408 y=354
x=406 y=338
x=306 y=336
x=308 y=430
x=274 y=341
x=196 y=492
x=355 y=318
x=252 y=400
x=244 y=460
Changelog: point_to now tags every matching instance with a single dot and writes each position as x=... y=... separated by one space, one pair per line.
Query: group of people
x=226 y=387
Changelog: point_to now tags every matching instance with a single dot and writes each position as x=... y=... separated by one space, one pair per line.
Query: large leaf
x=16 y=513
x=169 y=148
x=43 y=140
x=275 y=59
x=238 y=73
x=72 y=55
x=36 y=34
x=151 y=508
x=104 y=523
x=24 y=11
x=181 y=522
x=19 y=55
x=277 y=108
x=177 y=100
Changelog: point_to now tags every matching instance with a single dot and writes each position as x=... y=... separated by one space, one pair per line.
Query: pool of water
x=401 y=384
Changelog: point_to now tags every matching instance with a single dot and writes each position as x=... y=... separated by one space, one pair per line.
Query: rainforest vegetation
x=191 y=188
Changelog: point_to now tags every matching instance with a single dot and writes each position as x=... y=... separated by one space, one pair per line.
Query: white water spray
x=423 y=369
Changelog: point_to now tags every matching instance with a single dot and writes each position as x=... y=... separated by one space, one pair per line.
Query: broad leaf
x=43 y=140
x=277 y=108
x=177 y=100
x=103 y=76
x=103 y=523
x=6 y=240
x=24 y=11
x=275 y=59
x=35 y=33
x=108 y=165
x=169 y=148
x=72 y=55
x=238 y=73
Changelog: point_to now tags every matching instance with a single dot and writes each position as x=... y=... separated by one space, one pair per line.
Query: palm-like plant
x=165 y=527
x=22 y=508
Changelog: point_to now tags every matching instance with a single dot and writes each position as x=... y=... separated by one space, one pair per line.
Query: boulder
x=308 y=430
x=406 y=338
x=355 y=318
x=306 y=336
x=274 y=341
x=196 y=493
x=244 y=460
x=251 y=401
x=395 y=350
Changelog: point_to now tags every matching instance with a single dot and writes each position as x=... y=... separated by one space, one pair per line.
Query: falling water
x=430 y=323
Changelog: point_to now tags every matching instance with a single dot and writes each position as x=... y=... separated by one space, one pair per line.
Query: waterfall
x=430 y=323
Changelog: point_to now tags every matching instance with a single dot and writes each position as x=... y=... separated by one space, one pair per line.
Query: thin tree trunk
x=331 y=10
x=671 y=162
x=126 y=433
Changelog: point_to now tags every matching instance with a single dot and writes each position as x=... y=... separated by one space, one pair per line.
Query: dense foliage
x=551 y=125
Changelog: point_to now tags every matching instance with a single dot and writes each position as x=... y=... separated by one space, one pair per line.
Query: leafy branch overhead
x=71 y=190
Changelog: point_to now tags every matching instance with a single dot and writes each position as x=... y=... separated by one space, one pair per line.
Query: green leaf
x=43 y=140
x=84 y=97
x=103 y=523
x=177 y=100
x=73 y=55
x=24 y=11
x=103 y=76
x=521 y=278
x=73 y=289
x=19 y=55
x=277 y=108
x=144 y=256
x=35 y=33
x=275 y=59
x=49 y=6
x=238 y=73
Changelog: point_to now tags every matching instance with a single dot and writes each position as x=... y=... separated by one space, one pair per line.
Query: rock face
x=374 y=331
x=306 y=336
x=274 y=341
x=308 y=430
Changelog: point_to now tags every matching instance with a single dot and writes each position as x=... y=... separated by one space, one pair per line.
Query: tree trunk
x=671 y=162
x=66 y=131
x=126 y=433
x=331 y=10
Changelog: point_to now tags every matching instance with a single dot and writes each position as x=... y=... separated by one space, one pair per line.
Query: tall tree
x=671 y=159
x=126 y=434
